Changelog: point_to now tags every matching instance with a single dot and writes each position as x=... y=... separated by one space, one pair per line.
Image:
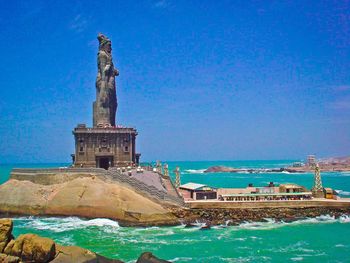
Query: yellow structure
x=329 y=193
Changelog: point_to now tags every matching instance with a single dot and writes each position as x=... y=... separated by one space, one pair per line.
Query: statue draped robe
x=105 y=106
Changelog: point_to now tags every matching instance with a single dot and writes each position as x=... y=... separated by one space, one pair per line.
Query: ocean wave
x=181 y=259
x=271 y=223
x=336 y=174
x=341 y=192
x=340 y=245
x=297 y=259
x=57 y=224
x=193 y=171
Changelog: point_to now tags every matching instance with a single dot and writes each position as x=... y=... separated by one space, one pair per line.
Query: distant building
x=197 y=191
x=297 y=164
x=265 y=193
x=291 y=188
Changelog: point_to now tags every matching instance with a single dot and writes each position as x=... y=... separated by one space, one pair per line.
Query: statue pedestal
x=104 y=147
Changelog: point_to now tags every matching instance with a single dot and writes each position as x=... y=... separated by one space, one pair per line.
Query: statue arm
x=103 y=64
x=116 y=72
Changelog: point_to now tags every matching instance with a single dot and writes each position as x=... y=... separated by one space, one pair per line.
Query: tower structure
x=317 y=190
x=177 y=177
x=166 y=169
x=106 y=144
x=311 y=160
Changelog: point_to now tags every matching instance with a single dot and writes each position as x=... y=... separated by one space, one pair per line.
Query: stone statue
x=105 y=106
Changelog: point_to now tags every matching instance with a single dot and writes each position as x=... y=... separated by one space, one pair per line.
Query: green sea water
x=321 y=239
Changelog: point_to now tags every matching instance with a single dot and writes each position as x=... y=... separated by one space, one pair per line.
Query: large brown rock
x=9 y=259
x=32 y=248
x=148 y=257
x=6 y=226
x=85 y=197
x=79 y=255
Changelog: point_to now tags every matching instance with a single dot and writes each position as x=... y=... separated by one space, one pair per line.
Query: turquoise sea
x=321 y=239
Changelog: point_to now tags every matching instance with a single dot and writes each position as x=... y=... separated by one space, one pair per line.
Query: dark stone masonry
x=106 y=144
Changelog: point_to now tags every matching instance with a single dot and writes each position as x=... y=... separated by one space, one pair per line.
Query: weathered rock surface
x=148 y=257
x=6 y=226
x=31 y=248
x=9 y=259
x=89 y=197
x=79 y=255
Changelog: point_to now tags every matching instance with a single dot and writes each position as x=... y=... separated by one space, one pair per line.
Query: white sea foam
x=181 y=259
x=55 y=224
x=272 y=223
x=193 y=171
x=344 y=219
x=297 y=259
x=240 y=239
x=69 y=223
x=340 y=245
x=341 y=192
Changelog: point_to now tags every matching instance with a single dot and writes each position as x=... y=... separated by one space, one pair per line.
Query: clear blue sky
x=200 y=80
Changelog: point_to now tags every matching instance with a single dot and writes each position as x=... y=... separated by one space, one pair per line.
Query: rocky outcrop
x=148 y=257
x=6 y=226
x=31 y=248
x=221 y=169
x=225 y=169
x=9 y=259
x=89 y=197
x=78 y=254
x=334 y=164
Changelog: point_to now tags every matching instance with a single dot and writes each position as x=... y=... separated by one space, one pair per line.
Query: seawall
x=345 y=203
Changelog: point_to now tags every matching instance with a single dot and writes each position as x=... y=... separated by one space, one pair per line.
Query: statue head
x=105 y=43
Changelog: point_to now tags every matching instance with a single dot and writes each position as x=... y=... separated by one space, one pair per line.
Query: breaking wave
x=272 y=223
x=341 y=192
x=57 y=224
x=193 y=171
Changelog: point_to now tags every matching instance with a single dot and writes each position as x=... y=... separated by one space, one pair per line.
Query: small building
x=297 y=164
x=197 y=191
x=271 y=192
x=250 y=189
x=291 y=188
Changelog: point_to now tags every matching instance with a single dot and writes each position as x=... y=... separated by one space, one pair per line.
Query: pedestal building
x=106 y=144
